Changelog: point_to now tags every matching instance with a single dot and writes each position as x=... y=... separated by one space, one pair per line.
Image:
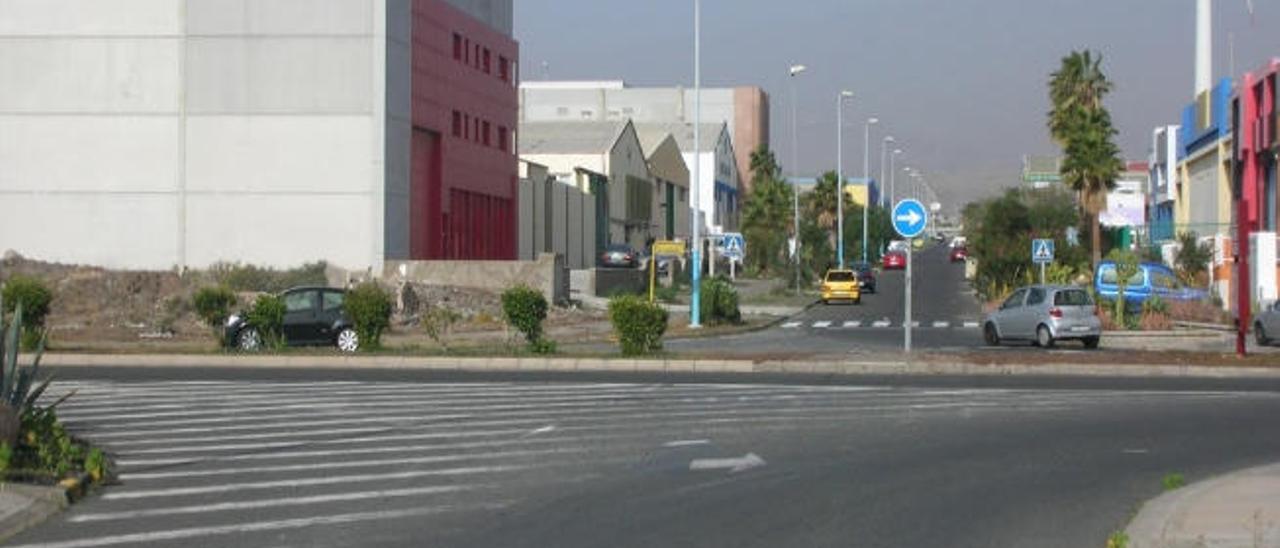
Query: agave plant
x=17 y=396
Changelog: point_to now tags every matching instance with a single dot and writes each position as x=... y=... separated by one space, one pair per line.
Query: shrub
x=1193 y=257
x=1155 y=305
x=638 y=323
x=543 y=346
x=35 y=298
x=718 y=302
x=213 y=305
x=438 y=323
x=369 y=306
x=525 y=308
x=1126 y=265
x=267 y=316
x=255 y=278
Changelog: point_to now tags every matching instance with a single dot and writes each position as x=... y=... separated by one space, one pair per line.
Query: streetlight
x=866 y=181
x=893 y=174
x=795 y=159
x=695 y=320
x=884 y=146
x=846 y=94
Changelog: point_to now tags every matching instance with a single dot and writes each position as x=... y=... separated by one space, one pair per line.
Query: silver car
x=1266 y=326
x=1045 y=314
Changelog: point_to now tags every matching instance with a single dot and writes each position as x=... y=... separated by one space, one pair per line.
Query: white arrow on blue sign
x=910 y=218
x=1042 y=251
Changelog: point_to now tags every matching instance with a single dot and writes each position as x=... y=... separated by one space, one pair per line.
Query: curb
x=541 y=364
x=1160 y=520
x=40 y=503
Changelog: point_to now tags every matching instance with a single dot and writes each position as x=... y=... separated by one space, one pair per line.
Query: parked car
x=1151 y=279
x=841 y=285
x=894 y=260
x=959 y=254
x=866 y=276
x=1045 y=314
x=1266 y=326
x=620 y=256
x=314 y=316
x=898 y=245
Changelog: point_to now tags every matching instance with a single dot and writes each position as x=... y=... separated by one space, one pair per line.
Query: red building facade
x=463 y=180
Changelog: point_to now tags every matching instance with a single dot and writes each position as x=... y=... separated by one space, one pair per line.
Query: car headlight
x=233 y=319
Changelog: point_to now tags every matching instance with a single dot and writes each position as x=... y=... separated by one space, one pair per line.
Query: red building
x=463 y=181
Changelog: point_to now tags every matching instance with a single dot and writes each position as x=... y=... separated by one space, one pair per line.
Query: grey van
x=1044 y=315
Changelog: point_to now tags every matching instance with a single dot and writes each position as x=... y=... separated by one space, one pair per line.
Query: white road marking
x=880 y=323
x=544 y=430
x=941 y=324
x=913 y=324
x=271 y=503
x=791 y=325
x=734 y=464
x=258 y=526
x=852 y=323
x=822 y=324
x=306 y=482
x=138 y=476
x=970 y=325
x=1135 y=451
x=685 y=443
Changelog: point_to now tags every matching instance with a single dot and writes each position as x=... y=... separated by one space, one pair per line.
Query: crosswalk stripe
x=434 y=459
x=880 y=323
x=852 y=323
x=822 y=324
x=310 y=482
x=970 y=325
x=791 y=325
x=941 y=324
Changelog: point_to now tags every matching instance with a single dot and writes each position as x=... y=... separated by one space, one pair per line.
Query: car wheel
x=1260 y=335
x=990 y=336
x=249 y=340
x=348 y=340
x=1043 y=337
x=1091 y=342
x=857 y=300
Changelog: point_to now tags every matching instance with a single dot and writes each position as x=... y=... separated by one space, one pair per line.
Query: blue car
x=1151 y=279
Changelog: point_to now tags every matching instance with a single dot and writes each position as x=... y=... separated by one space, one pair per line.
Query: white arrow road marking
x=734 y=464
x=911 y=217
x=821 y=325
x=853 y=323
x=791 y=325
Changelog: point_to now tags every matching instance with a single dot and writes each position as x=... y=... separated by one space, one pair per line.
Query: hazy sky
x=960 y=83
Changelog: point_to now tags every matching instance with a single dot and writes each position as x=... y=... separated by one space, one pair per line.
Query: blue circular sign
x=909 y=218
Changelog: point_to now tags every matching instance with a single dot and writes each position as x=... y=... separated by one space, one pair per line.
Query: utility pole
x=795 y=191
x=866 y=181
x=695 y=319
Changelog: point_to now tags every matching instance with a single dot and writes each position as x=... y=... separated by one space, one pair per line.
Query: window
x=504 y=69
x=1109 y=276
x=475 y=130
x=466 y=126
x=333 y=300
x=1035 y=296
x=840 y=276
x=1015 y=300
x=486 y=61
x=484 y=133
x=1071 y=297
x=457 y=124
x=301 y=301
x=475 y=61
x=457 y=47
x=466 y=51
x=502 y=139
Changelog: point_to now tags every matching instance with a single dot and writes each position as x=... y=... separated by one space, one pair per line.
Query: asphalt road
x=207 y=459
x=946 y=314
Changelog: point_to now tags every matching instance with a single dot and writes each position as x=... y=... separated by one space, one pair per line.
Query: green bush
x=213 y=305
x=255 y=278
x=369 y=306
x=543 y=346
x=438 y=322
x=638 y=323
x=267 y=316
x=1155 y=305
x=525 y=308
x=718 y=302
x=35 y=297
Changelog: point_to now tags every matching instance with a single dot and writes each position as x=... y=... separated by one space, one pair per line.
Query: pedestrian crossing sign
x=734 y=245
x=1042 y=251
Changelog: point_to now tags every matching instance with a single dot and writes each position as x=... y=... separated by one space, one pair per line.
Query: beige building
x=671 y=177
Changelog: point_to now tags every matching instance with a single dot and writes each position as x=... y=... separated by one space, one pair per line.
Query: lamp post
x=695 y=316
x=795 y=155
x=893 y=174
x=846 y=94
x=866 y=180
x=884 y=147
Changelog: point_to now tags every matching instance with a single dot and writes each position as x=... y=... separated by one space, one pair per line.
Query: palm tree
x=766 y=212
x=1081 y=124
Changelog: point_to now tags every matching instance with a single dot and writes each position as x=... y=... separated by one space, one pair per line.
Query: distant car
x=959 y=254
x=314 y=316
x=1151 y=279
x=1045 y=314
x=620 y=256
x=866 y=276
x=958 y=241
x=898 y=245
x=1266 y=326
x=841 y=285
x=894 y=260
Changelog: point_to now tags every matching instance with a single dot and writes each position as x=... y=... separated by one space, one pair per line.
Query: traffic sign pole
x=909 y=219
x=906 y=326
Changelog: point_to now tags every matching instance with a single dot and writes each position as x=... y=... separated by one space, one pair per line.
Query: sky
x=959 y=83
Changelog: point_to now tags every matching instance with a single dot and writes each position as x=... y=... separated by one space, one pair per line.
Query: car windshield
x=840 y=276
x=618 y=249
x=1072 y=297
x=1109 y=276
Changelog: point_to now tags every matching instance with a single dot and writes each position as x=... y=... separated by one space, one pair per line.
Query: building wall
x=463 y=194
x=667 y=166
x=628 y=173
x=155 y=133
x=750 y=128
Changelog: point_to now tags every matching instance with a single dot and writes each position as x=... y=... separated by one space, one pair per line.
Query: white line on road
x=941 y=324
x=913 y=324
x=970 y=325
x=734 y=465
x=791 y=325
x=880 y=323
x=685 y=443
x=822 y=324
x=852 y=323
x=307 y=482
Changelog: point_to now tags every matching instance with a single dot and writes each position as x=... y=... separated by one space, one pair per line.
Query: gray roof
x=569 y=137
x=651 y=136
x=683 y=132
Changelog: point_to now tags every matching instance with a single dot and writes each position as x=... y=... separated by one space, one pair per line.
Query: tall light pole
x=846 y=94
x=695 y=315
x=884 y=147
x=893 y=173
x=866 y=181
x=795 y=160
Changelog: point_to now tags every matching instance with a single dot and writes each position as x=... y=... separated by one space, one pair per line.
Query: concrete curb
x=29 y=505
x=1214 y=512
x=539 y=364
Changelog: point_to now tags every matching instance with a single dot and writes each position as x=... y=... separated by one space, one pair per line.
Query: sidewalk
x=23 y=506
x=1241 y=509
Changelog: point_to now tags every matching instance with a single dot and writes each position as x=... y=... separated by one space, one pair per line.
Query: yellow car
x=841 y=285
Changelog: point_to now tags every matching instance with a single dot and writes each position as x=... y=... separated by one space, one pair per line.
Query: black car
x=866 y=276
x=314 y=316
